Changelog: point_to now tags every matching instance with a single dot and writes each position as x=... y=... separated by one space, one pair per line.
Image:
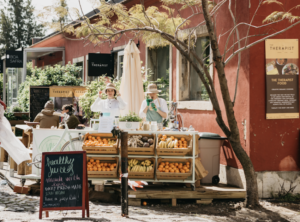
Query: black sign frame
x=1 y=66
x=62 y=172
x=100 y=64
x=14 y=59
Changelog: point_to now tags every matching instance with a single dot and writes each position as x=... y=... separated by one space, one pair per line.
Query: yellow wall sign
x=61 y=92
x=79 y=91
x=67 y=91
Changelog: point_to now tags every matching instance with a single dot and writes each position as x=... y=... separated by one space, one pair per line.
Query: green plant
x=25 y=117
x=10 y=116
x=68 y=75
x=91 y=95
x=17 y=109
x=131 y=117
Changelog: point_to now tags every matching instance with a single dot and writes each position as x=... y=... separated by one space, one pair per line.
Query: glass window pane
x=197 y=90
x=159 y=63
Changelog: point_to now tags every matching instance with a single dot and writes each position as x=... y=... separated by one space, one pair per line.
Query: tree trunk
x=234 y=135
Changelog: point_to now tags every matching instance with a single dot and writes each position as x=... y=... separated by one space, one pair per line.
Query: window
x=14 y=76
x=158 y=64
x=192 y=93
x=80 y=63
x=120 y=64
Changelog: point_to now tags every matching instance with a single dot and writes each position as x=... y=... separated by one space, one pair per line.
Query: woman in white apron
x=110 y=105
x=13 y=146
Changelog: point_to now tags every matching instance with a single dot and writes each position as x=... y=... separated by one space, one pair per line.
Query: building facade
x=273 y=145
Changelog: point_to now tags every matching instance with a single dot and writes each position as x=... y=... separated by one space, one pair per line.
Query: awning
x=67 y=91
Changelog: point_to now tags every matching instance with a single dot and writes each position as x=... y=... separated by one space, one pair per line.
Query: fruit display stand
x=103 y=149
x=190 y=156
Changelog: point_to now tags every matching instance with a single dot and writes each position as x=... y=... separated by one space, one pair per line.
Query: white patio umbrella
x=131 y=88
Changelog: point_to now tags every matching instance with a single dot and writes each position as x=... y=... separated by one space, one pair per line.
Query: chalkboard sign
x=64 y=182
x=39 y=95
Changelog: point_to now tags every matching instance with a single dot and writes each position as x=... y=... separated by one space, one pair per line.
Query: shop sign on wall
x=282 y=78
x=100 y=64
x=14 y=59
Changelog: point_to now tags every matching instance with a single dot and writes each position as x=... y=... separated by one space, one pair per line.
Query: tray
x=175 y=151
x=173 y=176
x=101 y=149
x=143 y=150
x=141 y=175
x=105 y=174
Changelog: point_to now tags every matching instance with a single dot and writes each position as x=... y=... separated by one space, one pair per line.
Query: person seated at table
x=72 y=120
x=46 y=117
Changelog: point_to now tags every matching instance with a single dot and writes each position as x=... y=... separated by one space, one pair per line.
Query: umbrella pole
x=124 y=170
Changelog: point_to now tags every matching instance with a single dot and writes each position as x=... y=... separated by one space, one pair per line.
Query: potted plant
x=130 y=122
x=16 y=119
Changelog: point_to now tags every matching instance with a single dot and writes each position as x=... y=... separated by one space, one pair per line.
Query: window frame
x=119 y=53
x=170 y=68
x=78 y=60
x=191 y=104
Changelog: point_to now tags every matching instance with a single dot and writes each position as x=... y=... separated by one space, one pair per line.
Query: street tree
x=60 y=14
x=166 y=24
x=18 y=25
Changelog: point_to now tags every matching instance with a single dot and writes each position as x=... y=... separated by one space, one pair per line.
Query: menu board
x=64 y=181
x=282 y=79
x=38 y=97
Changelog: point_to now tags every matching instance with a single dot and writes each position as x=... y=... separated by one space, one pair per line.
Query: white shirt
x=111 y=106
x=162 y=104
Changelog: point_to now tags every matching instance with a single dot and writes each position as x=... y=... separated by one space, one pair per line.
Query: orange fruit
x=185 y=168
x=167 y=171
x=166 y=167
x=90 y=137
x=167 y=163
x=99 y=169
x=107 y=169
x=103 y=169
x=91 y=160
x=187 y=171
x=182 y=171
x=172 y=171
x=144 y=203
x=176 y=164
x=180 y=167
x=97 y=161
x=176 y=171
x=105 y=164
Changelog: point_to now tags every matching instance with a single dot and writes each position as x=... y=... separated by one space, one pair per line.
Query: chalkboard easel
x=64 y=184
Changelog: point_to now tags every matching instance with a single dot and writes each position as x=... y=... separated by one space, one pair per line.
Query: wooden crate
x=101 y=149
x=141 y=175
x=105 y=174
x=175 y=151
x=173 y=176
x=143 y=150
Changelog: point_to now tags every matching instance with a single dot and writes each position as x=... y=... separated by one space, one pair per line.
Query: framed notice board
x=64 y=183
x=282 y=78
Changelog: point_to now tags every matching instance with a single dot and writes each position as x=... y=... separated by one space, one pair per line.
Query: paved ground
x=17 y=207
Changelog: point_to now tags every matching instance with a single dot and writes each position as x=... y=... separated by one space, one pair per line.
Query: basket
x=141 y=175
x=101 y=149
x=173 y=176
x=105 y=174
x=175 y=151
x=143 y=150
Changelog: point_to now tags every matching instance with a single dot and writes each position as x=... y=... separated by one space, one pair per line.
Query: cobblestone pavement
x=18 y=207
